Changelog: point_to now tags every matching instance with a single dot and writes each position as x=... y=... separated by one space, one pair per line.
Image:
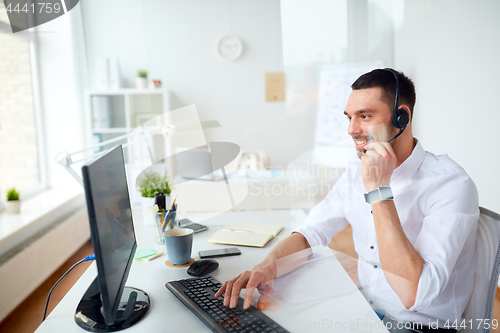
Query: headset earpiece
x=400 y=118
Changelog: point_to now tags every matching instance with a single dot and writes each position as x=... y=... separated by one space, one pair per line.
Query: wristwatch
x=382 y=193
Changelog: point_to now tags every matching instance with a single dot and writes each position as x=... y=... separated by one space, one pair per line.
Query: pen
x=173 y=201
x=162 y=219
x=167 y=221
x=154 y=256
x=236 y=230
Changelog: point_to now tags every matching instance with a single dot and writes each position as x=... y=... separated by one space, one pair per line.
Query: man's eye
x=364 y=116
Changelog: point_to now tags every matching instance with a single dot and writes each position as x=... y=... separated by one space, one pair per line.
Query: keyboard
x=197 y=295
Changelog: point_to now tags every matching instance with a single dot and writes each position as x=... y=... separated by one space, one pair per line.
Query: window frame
x=30 y=35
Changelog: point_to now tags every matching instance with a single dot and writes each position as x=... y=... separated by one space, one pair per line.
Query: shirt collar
x=413 y=162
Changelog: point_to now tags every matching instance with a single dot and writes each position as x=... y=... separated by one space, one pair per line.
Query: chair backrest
x=480 y=305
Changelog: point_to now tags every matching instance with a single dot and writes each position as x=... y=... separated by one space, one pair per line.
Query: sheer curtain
x=63 y=81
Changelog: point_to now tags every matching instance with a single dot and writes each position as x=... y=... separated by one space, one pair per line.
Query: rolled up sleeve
x=452 y=212
x=327 y=218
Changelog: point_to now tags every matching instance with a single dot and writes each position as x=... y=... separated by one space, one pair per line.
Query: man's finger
x=248 y=297
x=266 y=291
x=239 y=284
x=389 y=149
x=371 y=153
x=262 y=305
x=379 y=147
x=221 y=290
x=227 y=295
x=252 y=284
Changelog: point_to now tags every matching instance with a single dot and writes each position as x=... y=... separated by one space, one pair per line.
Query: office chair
x=480 y=305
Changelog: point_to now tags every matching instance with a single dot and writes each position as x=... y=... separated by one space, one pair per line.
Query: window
x=20 y=157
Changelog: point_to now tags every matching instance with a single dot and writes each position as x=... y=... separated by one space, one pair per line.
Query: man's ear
x=407 y=109
x=401 y=117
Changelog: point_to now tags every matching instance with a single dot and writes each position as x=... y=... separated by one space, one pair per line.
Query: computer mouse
x=202 y=267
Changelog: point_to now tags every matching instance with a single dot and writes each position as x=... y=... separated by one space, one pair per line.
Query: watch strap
x=382 y=193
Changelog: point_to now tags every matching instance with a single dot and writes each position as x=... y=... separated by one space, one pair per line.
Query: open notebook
x=246 y=234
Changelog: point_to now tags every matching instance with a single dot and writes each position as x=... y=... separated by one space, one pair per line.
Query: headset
x=399 y=117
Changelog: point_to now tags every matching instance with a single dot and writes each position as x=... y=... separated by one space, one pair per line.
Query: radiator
x=28 y=265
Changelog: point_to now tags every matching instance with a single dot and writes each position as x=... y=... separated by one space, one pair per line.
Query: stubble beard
x=370 y=138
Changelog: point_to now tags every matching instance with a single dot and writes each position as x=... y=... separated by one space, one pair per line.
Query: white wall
x=451 y=50
x=175 y=41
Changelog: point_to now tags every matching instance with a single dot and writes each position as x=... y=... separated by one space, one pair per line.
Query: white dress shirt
x=437 y=204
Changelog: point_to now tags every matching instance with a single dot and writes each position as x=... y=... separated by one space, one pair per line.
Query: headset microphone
x=399 y=117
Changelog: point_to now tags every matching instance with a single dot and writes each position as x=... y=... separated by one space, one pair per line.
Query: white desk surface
x=347 y=312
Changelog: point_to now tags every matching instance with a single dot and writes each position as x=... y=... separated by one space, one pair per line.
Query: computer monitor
x=107 y=304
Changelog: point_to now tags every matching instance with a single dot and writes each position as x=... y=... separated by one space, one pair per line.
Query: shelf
x=117 y=112
x=111 y=130
x=128 y=91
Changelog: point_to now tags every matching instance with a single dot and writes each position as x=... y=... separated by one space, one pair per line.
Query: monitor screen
x=112 y=228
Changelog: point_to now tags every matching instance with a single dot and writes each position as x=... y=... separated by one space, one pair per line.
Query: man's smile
x=361 y=142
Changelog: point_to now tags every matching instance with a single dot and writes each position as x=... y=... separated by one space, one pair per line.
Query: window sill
x=37 y=213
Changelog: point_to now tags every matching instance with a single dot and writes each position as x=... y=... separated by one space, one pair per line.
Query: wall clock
x=229 y=47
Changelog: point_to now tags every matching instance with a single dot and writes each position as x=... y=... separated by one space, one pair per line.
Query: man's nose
x=354 y=128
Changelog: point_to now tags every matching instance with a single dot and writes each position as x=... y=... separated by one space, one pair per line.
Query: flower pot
x=150 y=219
x=13 y=207
x=141 y=83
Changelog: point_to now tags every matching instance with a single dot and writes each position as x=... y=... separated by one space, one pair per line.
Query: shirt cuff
x=314 y=241
x=426 y=293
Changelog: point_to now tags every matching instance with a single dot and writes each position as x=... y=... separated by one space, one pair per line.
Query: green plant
x=142 y=73
x=12 y=195
x=153 y=183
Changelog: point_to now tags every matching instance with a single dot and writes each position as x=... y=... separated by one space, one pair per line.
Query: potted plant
x=150 y=184
x=141 y=81
x=13 y=204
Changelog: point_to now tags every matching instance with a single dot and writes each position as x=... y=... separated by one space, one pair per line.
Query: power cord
x=87 y=258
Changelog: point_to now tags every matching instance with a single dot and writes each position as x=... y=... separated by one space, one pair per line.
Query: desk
x=350 y=310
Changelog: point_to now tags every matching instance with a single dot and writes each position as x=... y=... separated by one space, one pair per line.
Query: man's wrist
x=381 y=193
x=267 y=266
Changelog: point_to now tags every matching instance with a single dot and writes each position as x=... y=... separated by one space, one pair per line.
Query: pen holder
x=165 y=221
x=160 y=217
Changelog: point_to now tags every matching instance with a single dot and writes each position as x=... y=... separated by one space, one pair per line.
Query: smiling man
x=413 y=214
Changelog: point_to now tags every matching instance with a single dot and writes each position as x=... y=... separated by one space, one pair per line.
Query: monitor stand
x=134 y=304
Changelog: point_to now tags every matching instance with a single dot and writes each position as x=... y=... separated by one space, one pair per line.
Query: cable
x=87 y=258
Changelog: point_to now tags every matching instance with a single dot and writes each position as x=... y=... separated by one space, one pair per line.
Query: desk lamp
x=65 y=159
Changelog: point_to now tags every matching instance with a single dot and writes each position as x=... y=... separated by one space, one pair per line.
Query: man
x=416 y=250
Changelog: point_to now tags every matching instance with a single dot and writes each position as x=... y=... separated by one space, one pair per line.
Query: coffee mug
x=179 y=242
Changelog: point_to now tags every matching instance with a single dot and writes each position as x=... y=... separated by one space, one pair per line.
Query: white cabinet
x=113 y=113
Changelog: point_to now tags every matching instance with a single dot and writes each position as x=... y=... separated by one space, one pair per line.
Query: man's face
x=369 y=118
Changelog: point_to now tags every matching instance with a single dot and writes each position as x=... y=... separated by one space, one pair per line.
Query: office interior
x=449 y=48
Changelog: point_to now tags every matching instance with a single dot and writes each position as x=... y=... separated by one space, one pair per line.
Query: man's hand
x=288 y=253
x=378 y=164
x=260 y=277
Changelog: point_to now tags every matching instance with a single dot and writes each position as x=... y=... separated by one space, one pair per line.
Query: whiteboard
x=334 y=90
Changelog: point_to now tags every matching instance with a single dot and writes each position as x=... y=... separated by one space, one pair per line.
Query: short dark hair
x=385 y=80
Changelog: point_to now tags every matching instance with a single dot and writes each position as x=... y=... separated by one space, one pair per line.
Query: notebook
x=246 y=234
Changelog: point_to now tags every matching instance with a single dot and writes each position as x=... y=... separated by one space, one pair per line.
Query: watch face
x=229 y=47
